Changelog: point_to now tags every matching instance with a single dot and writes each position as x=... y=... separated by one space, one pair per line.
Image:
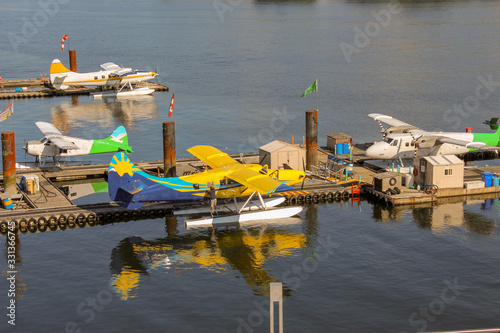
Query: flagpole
x=317 y=95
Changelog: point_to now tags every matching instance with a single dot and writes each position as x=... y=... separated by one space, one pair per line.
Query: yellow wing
x=255 y=181
x=212 y=156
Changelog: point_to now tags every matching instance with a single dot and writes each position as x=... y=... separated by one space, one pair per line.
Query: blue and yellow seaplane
x=131 y=187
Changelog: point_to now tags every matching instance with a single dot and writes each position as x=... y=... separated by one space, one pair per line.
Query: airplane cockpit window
x=394 y=143
x=388 y=140
x=44 y=140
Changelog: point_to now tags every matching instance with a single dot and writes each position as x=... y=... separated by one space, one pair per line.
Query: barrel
x=345 y=148
x=340 y=148
x=7 y=203
x=496 y=181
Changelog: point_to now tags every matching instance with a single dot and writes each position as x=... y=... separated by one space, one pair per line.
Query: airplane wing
x=468 y=144
x=53 y=134
x=115 y=69
x=388 y=120
x=261 y=183
x=212 y=156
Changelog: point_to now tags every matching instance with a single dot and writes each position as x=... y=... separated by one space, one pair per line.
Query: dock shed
x=386 y=180
x=282 y=155
x=333 y=139
x=445 y=171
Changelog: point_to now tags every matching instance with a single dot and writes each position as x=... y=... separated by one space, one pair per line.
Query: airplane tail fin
x=493 y=123
x=125 y=185
x=117 y=141
x=57 y=67
x=120 y=137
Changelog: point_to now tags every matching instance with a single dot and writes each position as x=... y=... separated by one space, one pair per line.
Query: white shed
x=445 y=171
x=282 y=155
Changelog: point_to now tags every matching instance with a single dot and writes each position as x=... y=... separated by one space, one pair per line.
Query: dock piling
x=311 y=138
x=169 y=149
x=9 y=162
x=72 y=61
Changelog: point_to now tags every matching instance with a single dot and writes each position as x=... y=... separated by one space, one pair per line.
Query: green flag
x=312 y=87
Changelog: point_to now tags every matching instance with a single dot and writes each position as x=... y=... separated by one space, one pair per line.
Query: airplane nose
x=377 y=150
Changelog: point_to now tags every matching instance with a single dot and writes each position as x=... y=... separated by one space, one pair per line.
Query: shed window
x=448 y=172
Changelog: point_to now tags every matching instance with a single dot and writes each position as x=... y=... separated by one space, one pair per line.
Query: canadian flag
x=62 y=41
x=171 y=110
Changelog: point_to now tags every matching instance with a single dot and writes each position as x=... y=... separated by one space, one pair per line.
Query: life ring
x=415 y=172
x=1 y=80
x=392 y=181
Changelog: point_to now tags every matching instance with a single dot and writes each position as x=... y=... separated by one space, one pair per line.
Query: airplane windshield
x=388 y=140
x=394 y=143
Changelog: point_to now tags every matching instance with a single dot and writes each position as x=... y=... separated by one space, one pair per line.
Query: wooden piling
x=169 y=149
x=72 y=60
x=9 y=162
x=311 y=138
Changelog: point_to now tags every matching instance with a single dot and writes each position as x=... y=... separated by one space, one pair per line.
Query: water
x=238 y=77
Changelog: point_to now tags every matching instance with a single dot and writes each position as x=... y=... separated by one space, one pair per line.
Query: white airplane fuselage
x=63 y=78
x=402 y=146
x=45 y=148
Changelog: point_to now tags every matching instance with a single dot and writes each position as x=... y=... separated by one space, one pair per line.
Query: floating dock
x=40 y=88
x=52 y=209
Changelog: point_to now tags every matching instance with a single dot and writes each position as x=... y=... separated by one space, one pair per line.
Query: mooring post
x=311 y=138
x=169 y=149
x=276 y=295
x=72 y=60
x=9 y=162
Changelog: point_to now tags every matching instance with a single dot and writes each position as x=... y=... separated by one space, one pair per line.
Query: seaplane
x=402 y=140
x=56 y=145
x=112 y=76
x=130 y=187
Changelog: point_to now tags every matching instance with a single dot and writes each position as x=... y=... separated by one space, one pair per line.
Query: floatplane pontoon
x=131 y=187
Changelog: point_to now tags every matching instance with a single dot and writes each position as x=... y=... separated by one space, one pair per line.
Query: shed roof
x=443 y=160
x=277 y=145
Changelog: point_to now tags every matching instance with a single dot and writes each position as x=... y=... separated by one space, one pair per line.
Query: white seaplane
x=56 y=145
x=401 y=141
x=120 y=79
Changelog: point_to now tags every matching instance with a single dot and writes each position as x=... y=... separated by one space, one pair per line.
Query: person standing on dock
x=213 y=199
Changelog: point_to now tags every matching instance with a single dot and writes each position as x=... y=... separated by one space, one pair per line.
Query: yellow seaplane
x=131 y=187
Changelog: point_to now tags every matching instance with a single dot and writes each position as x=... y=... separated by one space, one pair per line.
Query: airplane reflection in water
x=243 y=250
x=104 y=114
x=444 y=217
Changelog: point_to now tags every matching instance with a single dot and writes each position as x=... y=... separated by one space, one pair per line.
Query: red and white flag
x=7 y=111
x=62 y=41
x=171 y=110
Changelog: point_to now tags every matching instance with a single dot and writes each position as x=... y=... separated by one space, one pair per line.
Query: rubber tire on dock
x=4 y=226
x=345 y=194
x=71 y=221
x=92 y=219
x=292 y=200
x=301 y=198
x=330 y=196
x=308 y=197
x=80 y=220
x=315 y=198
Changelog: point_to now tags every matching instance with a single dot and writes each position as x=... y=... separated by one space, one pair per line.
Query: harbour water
x=238 y=69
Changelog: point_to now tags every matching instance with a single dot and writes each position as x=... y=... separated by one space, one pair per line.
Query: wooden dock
x=51 y=209
x=41 y=88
